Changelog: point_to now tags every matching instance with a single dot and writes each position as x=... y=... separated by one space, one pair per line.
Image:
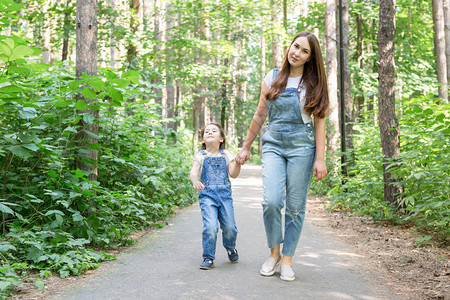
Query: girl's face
x=212 y=136
x=299 y=52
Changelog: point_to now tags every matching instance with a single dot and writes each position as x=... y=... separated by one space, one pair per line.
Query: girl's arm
x=234 y=169
x=320 y=169
x=193 y=176
x=258 y=120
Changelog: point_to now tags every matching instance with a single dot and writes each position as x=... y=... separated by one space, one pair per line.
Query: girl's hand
x=198 y=186
x=320 y=170
x=242 y=156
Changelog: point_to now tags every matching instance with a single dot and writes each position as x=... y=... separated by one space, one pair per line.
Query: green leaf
x=5 y=209
x=81 y=105
x=20 y=151
x=73 y=85
x=32 y=147
x=20 y=52
x=115 y=94
x=55 y=211
x=4 y=285
x=27 y=113
x=92 y=135
x=78 y=173
x=4 y=247
x=88 y=118
x=132 y=75
x=89 y=93
x=39 y=284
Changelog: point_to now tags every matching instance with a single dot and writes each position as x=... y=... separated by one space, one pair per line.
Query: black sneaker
x=233 y=256
x=207 y=264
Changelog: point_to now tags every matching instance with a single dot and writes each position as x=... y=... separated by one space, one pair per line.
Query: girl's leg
x=209 y=211
x=226 y=218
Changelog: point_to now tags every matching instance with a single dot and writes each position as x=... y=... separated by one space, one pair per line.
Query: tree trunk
x=331 y=69
x=263 y=75
x=439 y=48
x=66 y=30
x=169 y=105
x=46 y=51
x=359 y=100
x=132 y=50
x=86 y=62
x=347 y=86
x=112 y=49
x=388 y=123
x=158 y=36
x=447 y=37
x=276 y=55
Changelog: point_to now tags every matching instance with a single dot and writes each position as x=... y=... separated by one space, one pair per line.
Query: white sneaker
x=268 y=267
x=286 y=273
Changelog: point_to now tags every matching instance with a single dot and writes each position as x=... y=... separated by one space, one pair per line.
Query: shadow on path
x=164 y=264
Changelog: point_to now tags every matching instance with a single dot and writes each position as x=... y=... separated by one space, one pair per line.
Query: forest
x=101 y=103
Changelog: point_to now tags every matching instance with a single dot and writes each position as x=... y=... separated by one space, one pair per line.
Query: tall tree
x=388 y=123
x=263 y=75
x=86 y=63
x=331 y=69
x=447 y=36
x=276 y=52
x=347 y=84
x=439 y=48
x=135 y=5
x=66 y=29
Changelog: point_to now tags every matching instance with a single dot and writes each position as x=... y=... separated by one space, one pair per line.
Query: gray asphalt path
x=164 y=264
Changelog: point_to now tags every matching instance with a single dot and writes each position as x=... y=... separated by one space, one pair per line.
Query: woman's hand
x=320 y=170
x=242 y=156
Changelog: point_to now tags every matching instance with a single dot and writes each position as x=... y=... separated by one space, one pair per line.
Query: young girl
x=214 y=193
x=292 y=148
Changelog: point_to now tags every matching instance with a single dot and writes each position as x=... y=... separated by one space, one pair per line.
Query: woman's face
x=299 y=52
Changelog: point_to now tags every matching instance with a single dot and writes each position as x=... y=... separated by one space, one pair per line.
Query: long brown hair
x=314 y=77
x=222 y=135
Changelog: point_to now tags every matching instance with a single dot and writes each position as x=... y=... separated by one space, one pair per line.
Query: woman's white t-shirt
x=200 y=158
x=293 y=82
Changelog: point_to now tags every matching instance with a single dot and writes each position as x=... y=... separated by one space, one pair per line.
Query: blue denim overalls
x=288 y=155
x=216 y=203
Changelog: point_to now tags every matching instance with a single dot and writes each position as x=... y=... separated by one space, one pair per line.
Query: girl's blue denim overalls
x=216 y=203
x=288 y=155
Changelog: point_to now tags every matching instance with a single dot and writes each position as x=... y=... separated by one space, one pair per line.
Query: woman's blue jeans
x=288 y=156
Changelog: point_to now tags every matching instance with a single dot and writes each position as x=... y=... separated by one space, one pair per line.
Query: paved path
x=164 y=264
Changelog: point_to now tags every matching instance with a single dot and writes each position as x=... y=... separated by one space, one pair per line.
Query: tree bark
x=86 y=63
x=276 y=57
x=66 y=30
x=439 y=48
x=112 y=49
x=132 y=50
x=359 y=100
x=331 y=69
x=46 y=51
x=347 y=86
x=388 y=123
x=169 y=105
x=447 y=37
x=263 y=75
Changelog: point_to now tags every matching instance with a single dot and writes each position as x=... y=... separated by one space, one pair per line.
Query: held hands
x=320 y=170
x=242 y=156
x=198 y=186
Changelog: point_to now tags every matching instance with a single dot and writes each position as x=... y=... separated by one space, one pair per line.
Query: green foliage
x=52 y=213
x=423 y=167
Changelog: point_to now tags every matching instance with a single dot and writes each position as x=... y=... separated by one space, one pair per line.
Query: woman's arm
x=320 y=169
x=258 y=120
x=193 y=176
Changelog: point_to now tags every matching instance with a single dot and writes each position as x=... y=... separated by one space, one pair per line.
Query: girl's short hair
x=222 y=134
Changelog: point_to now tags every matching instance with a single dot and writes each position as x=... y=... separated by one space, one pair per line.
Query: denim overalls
x=288 y=155
x=216 y=204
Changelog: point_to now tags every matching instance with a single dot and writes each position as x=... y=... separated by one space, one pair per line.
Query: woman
x=291 y=147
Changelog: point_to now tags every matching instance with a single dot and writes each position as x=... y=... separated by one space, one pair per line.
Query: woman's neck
x=296 y=72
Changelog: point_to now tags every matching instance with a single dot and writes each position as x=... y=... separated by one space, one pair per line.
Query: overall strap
x=203 y=152
x=223 y=153
x=275 y=73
